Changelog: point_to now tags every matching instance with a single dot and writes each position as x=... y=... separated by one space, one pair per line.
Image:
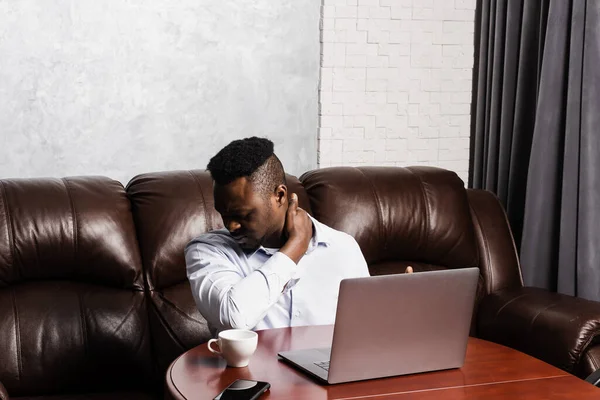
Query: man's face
x=250 y=217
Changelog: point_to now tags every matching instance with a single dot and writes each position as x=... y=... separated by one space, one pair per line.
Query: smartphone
x=243 y=389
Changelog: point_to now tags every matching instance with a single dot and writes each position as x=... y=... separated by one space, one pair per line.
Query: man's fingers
x=294 y=201
x=409 y=270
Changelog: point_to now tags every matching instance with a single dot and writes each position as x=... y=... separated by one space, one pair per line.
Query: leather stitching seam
x=537 y=314
x=125 y=318
x=10 y=229
x=75 y=219
x=8 y=226
x=17 y=334
x=508 y=302
x=201 y=195
x=179 y=310
x=378 y=208
x=83 y=324
x=166 y=325
x=427 y=212
x=486 y=246
x=454 y=246
x=142 y=336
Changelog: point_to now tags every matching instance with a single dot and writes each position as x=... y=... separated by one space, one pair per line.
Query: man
x=273 y=265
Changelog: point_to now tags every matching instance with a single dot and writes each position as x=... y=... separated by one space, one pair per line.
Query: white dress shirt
x=264 y=288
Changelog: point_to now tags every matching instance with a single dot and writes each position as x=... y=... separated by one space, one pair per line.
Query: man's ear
x=281 y=195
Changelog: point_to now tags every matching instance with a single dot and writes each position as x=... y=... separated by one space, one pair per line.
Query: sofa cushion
x=417 y=214
x=78 y=229
x=60 y=336
x=72 y=309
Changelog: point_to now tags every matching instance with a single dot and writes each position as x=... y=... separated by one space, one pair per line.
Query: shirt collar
x=320 y=236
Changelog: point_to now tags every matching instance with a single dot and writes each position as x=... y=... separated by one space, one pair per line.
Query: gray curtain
x=535 y=137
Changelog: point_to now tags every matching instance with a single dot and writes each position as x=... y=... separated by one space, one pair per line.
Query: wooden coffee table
x=491 y=371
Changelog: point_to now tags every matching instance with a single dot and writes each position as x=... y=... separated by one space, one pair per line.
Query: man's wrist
x=295 y=248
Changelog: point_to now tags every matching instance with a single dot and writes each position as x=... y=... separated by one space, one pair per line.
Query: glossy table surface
x=491 y=371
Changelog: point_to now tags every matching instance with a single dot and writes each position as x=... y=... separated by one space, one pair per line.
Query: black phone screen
x=243 y=389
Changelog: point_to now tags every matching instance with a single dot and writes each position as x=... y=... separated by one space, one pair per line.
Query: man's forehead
x=240 y=187
x=236 y=196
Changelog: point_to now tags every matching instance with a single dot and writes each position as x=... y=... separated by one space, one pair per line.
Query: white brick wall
x=396 y=83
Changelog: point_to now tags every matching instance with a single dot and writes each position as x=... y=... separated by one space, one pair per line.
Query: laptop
x=395 y=325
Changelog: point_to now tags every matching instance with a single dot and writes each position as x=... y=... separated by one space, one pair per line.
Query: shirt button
x=297 y=314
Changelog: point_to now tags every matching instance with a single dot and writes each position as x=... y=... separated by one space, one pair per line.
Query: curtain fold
x=534 y=140
x=588 y=243
x=505 y=91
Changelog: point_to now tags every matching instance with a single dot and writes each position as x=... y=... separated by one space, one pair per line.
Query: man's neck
x=277 y=241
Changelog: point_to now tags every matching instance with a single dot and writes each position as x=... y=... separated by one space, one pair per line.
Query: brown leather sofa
x=94 y=300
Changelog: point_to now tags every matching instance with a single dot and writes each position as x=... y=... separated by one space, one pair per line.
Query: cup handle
x=211 y=341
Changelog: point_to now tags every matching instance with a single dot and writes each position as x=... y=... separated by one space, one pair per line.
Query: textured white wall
x=396 y=83
x=122 y=87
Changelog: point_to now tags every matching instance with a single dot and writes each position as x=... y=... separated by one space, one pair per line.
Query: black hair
x=252 y=158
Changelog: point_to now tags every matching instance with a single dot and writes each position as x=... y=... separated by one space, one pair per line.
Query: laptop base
x=305 y=360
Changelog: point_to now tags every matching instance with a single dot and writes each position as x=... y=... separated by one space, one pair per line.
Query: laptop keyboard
x=323 y=364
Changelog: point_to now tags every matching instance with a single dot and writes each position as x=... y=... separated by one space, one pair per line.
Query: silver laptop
x=395 y=325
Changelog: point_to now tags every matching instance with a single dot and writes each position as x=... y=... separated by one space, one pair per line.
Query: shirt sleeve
x=227 y=298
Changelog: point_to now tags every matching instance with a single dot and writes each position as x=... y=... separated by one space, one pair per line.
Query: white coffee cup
x=236 y=346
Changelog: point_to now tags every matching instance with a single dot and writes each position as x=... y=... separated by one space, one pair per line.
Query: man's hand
x=299 y=230
x=409 y=270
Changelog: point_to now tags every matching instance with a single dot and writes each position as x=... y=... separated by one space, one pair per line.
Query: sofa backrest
x=415 y=216
x=170 y=209
x=72 y=308
x=418 y=216
x=93 y=287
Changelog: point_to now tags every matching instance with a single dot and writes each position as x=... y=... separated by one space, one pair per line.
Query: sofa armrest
x=3 y=392
x=552 y=327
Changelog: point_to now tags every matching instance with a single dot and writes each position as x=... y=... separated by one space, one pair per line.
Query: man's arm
x=299 y=229
x=225 y=297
